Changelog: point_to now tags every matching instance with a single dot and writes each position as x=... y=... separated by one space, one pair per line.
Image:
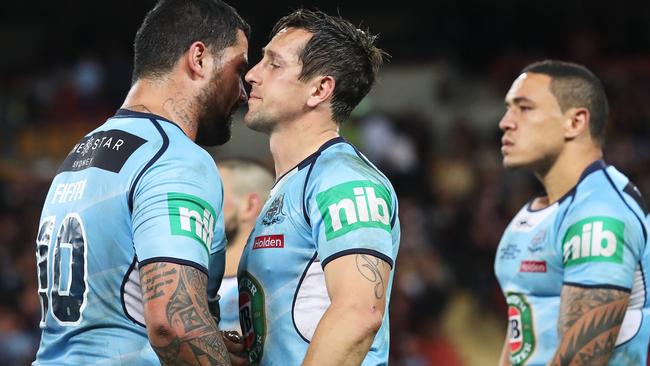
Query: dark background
x=65 y=66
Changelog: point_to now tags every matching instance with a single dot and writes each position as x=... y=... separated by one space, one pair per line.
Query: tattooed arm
x=180 y=327
x=589 y=322
x=356 y=285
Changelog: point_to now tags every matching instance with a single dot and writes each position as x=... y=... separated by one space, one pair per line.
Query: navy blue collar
x=306 y=161
x=126 y=113
x=593 y=167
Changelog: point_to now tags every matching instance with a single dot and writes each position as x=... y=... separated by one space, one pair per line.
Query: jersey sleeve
x=177 y=213
x=352 y=209
x=601 y=242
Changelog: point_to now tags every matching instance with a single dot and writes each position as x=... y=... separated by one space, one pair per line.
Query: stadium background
x=430 y=124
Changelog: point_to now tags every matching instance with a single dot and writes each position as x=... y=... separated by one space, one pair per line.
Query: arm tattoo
x=156 y=277
x=198 y=340
x=589 y=322
x=368 y=267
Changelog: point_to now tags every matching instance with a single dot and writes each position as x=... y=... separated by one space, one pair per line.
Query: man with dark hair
x=131 y=241
x=316 y=274
x=571 y=263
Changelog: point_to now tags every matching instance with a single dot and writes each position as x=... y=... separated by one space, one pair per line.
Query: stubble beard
x=213 y=122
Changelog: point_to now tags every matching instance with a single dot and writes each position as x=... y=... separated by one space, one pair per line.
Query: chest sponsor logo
x=533 y=266
x=268 y=241
x=192 y=217
x=521 y=338
x=274 y=214
x=251 y=316
x=353 y=205
x=107 y=150
x=594 y=239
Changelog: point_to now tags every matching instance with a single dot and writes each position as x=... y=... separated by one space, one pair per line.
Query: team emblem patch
x=274 y=214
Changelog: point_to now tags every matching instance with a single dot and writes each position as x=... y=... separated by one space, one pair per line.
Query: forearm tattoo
x=368 y=267
x=198 y=340
x=589 y=322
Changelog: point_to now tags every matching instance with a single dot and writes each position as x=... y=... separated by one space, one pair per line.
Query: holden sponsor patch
x=533 y=266
x=268 y=241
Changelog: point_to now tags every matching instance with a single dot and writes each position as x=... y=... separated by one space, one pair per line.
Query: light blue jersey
x=334 y=203
x=229 y=305
x=134 y=191
x=595 y=236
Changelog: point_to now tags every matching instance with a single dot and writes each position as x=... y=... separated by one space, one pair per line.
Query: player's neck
x=234 y=251
x=292 y=143
x=565 y=172
x=157 y=97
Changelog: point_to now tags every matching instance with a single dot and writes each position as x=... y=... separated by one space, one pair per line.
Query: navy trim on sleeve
x=162 y=150
x=304 y=192
x=123 y=286
x=371 y=252
x=182 y=262
x=604 y=287
x=295 y=296
x=645 y=234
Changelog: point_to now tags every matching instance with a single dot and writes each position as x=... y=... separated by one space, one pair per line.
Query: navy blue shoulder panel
x=645 y=234
x=310 y=161
x=161 y=151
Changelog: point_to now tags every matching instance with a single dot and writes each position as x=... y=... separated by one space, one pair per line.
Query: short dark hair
x=172 y=26
x=573 y=85
x=338 y=49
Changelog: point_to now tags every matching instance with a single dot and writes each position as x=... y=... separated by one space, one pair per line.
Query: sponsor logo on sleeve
x=192 y=217
x=353 y=205
x=594 y=239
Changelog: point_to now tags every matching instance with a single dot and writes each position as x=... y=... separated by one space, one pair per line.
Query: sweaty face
x=277 y=95
x=223 y=94
x=533 y=125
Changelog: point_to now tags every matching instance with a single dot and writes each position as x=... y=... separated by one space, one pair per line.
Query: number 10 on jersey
x=62 y=272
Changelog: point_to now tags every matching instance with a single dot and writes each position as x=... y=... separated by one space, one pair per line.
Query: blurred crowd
x=455 y=198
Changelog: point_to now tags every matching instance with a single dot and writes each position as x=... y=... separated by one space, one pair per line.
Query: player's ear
x=197 y=59
x=251 y=206
x=321 y=89
x=577 y=122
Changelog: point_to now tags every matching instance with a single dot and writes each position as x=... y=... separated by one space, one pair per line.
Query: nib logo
x=354 y=205
x=595 y=239
x=192 y=217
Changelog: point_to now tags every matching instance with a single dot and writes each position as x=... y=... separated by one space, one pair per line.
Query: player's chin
x=509 y=162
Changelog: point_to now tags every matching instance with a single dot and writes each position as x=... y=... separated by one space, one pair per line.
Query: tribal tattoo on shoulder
x=590 y=319
x=368 y=267
x=199 y=341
